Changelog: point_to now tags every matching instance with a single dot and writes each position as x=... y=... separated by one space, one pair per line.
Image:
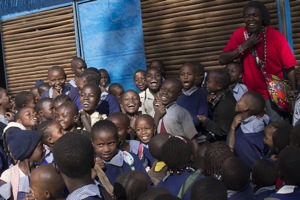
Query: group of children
x=191 y=137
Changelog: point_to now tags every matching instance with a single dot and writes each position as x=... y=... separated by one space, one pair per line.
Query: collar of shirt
x=252 y=125
x=286 y=189
x=3 y=119
x=66 y=90
x=231 y=193
x=171 y=104
x=103 y=96
x=190 y=91
x=84 y=192
x=264 y=189
x=221 y=96
x=117 y=160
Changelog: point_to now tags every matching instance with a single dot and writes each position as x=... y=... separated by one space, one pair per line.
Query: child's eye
x=100 y=145
x=111 y=143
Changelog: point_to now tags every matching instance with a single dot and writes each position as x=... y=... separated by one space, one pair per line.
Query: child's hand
x=211 y=97
x=57 y=91
x=236 y=121
x=201 y=118
x=274 y=157
x=29 y=197
x=99 y=162
x=9 y=116
x=86 y=120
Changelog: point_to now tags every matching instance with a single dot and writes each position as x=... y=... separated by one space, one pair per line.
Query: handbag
x=277 y=88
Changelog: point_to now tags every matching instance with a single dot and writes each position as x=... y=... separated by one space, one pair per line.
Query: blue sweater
x=249 y=146
x=196 y=104
x=244 y=194
x=109 y=105
x=295 y=195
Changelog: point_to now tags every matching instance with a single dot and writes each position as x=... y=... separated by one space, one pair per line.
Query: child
x=176 y=153
x=45 y=109
x=199 y=74
x=117 y=90
x=60 y=99
x=235 y=71
x=122 y=123
x=247 y=130
x=67 y=115
x=74 y=156
x=153 y=82
x=222 y=105
x=193 y=99
x=25 y=148
x=289 y=164
x=5 y=106
x=130 y=104
x=89 y=99
x=104 y=80
x=52 y=131
x=208 y=188
x=159 y=169
x=35 y=92
x=235 y=175
x=264 y=176
x=214 y=157
x=172 y=118
x=145 y=128
x=131 y=185
x=43 y=87
x=158 y=64
x=140 y=80
x=105 y=141
x=57 y=79
x=46 y=183
x=78 y=65
x=24 y=99
x=27 y=117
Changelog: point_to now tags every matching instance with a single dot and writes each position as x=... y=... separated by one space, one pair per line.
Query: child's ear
x=129 y=129
x=48 y=195
x=75 y=119
x=41 y=113
x=220 y=86
x=49 y=140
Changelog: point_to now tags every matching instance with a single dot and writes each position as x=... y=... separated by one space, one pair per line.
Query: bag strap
x=189 y=181
x=15 y=180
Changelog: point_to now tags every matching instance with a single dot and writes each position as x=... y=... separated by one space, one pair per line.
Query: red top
x=279 y=56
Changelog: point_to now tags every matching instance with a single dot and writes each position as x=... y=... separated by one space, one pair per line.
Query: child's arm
x=231 y=137
x=85 y=120
x=159 y=109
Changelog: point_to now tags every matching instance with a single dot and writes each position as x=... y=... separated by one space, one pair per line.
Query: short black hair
x=192 y=65
x=208 y=188
x=71 y=105
x=237 y=64
x=40 y=104
x=281 y=137
x=43 y=128
x=22 y=98
x=177 y=152
x=235 y=174
x=91 y=75
x=177 y=83
x=123 y=116
x=257 y=103
x=113 y=86
x=131 y=185
x=264 y=173
x=263 y=10
x=95 y=87
x=222 y=77
x=139 y=71
x=104 y=125
x=63 y=98
x=156 y=143
x=295 y=136
x=214 y=157
x=74 y=155
x=289 y=165
x=43 y=87
x=57 y=68
x=153 y=68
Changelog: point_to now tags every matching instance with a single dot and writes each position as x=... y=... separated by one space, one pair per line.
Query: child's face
x=130 y=102
x=5 y=100
x=56 y=131
x=168 y=92
x=89 y=99
x=211 y=85
x=187 y=77
x=105 y=144
x=66 y=117
x=234 y=72
x=268 y=139
x=144 y=129
x=78 y=68
x=27 y=117
x=153 y=80
x=118 y=93
x=103 y=78
x=48 y=109
x=38 y=153
x=56 y=79
x=121 y=125
x=139 y=80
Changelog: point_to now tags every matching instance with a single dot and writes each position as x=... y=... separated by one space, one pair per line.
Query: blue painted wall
x=112 y=38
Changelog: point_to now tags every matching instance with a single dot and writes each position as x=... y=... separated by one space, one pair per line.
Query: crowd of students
x=186 y=137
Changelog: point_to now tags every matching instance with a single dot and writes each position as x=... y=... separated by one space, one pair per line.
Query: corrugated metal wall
x=178 y=31
x=295 y=17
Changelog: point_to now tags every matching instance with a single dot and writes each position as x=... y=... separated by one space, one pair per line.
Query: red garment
x=279 y=56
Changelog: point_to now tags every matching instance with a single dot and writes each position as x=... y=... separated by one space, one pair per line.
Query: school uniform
x=194 y=100
x=87 y=192
x=249 y=140
x=287 y=192
x=244 y=194
x=177 y=121
x=3 y=119
x=238 y=91
x=109 y=104
x=142 y=151
x=173 y=182
x=147 y=99
x=117 y=165
x=264 y=192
